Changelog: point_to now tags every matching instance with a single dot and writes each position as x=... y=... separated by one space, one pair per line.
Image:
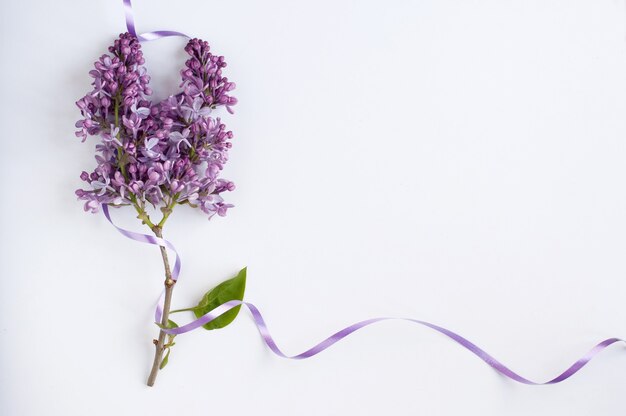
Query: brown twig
x=169 y=289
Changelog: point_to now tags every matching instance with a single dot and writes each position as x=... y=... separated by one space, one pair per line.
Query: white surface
x=458 y=162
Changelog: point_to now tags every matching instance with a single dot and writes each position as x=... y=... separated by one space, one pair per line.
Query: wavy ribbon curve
x=343 y=333
x=149 y=239
x=147 y=36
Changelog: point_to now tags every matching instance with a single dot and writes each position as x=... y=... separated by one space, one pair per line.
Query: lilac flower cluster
x=163 y=154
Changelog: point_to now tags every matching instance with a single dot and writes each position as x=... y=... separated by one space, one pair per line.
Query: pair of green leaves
x=231 y=289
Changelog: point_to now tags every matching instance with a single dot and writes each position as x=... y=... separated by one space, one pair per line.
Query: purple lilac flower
x=162 y=154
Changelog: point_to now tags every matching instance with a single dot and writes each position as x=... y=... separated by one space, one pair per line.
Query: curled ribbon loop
x=343 y=333
x=148 y=36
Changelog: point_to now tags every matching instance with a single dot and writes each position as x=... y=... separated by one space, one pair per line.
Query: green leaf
x=165 y=360
x=232 y=289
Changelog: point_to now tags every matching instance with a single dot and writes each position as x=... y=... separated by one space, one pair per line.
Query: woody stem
x=169 y=289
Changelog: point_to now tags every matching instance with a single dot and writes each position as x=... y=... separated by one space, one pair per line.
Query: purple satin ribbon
x=149 y=239
x=338 y=336
x=148 y=36
x=258 y=318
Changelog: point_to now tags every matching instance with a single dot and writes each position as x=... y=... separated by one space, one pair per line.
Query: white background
x=462 y=162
